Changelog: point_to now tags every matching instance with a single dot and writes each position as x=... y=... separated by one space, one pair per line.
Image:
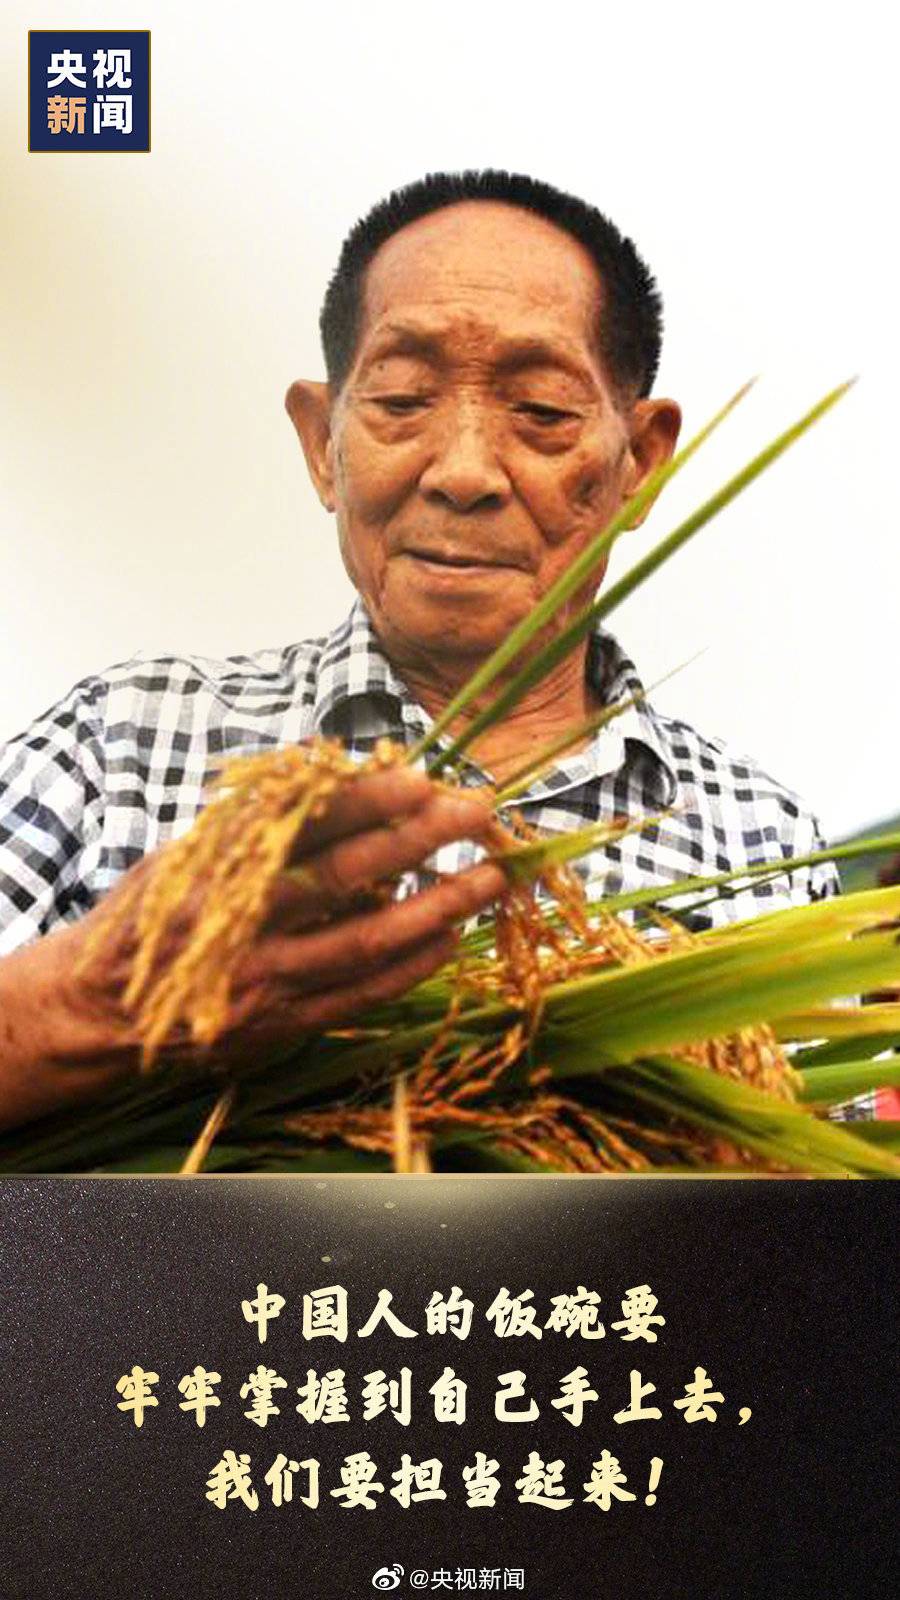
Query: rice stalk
x=567 y=1037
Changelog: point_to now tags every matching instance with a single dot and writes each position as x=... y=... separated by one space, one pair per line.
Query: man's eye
x=402 y=405
x=544 y=414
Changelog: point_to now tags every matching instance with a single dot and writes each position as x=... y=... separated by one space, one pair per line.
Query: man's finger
x=357 y=945
x=352 y=865
x=348 y=1003
x=368 y=801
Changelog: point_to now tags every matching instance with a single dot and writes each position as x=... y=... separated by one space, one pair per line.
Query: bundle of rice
x=572 y=1034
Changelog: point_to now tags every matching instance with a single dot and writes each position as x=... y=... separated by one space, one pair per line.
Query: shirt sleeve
x=800 y=835
x=823 y=880
x=51 y=816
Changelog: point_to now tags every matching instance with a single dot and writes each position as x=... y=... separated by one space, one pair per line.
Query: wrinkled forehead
x=484 y=262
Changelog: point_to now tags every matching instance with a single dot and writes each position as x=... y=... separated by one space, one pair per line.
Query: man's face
x=477 y=444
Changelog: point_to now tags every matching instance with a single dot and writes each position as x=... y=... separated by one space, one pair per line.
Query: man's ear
x=309 y=407
x=654 y=429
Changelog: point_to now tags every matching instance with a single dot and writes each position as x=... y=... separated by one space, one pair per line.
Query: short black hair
x=630 y=330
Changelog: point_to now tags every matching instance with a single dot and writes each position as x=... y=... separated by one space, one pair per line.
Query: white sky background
x=157 y=306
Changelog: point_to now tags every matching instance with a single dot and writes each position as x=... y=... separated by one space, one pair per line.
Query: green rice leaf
x=779 y=1132
x=752 y=972
x=889 y=842
x=829 y=1086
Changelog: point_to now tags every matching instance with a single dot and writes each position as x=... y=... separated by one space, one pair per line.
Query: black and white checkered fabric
x=121 y=764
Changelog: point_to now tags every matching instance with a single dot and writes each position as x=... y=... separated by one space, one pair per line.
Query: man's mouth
x=455 y=560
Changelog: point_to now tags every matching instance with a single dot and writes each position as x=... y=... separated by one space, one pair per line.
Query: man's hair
x=629 y=328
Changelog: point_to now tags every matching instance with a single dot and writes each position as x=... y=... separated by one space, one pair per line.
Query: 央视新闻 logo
x=88 y=90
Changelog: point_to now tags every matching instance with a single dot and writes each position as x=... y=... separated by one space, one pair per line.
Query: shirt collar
x=353 y=667
x=614 y=677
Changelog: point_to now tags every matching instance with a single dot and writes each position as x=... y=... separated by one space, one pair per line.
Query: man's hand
x=319 y=961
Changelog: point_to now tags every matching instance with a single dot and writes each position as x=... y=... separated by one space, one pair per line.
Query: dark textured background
x=784 y=1291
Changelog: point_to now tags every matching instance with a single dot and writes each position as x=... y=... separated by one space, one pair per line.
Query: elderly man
x=491 y=346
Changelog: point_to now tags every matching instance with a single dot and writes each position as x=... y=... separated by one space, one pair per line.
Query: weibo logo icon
x=388 y=1577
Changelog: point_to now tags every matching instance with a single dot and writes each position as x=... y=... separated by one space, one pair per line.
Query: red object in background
x=887 y=1105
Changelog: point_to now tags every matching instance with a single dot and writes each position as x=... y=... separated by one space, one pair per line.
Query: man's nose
x=465 y=472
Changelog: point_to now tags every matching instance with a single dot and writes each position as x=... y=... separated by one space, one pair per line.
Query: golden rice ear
x=228 y=864
x=659 y=1021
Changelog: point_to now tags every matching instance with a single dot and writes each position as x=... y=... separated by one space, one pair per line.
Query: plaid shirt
x=121 y=765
